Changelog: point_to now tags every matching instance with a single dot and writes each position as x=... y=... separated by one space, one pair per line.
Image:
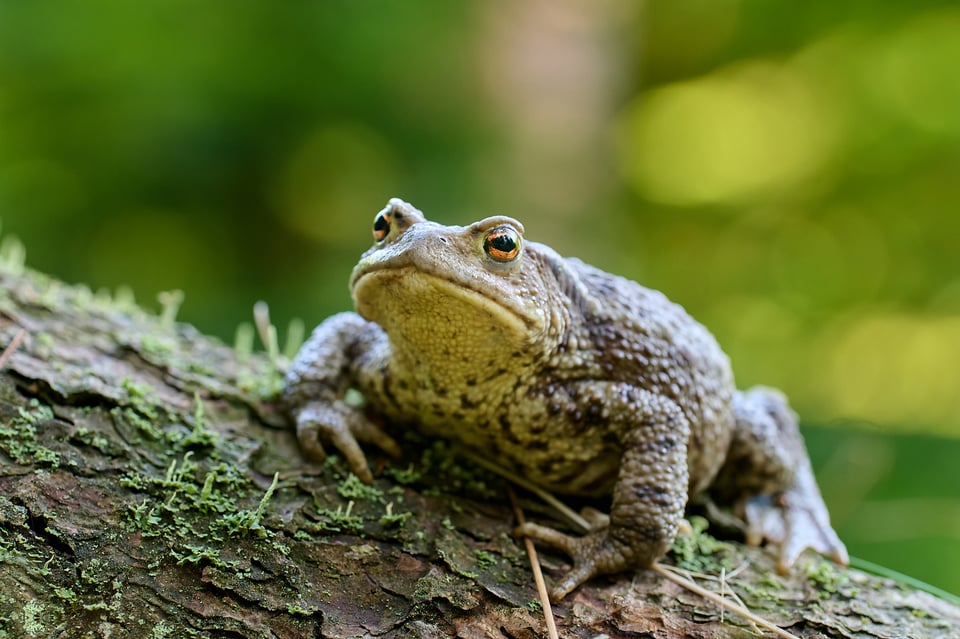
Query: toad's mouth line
x=462 y=291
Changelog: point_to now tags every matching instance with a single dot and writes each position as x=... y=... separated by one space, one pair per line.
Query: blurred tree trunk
x=136 y=463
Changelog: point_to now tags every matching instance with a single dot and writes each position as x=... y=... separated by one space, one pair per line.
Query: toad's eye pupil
x=502 y=244
x=381 y=226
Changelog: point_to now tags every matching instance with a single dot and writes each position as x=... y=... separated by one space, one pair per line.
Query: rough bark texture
x=136 y=462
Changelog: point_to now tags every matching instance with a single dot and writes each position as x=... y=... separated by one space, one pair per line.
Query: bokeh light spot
x=896 y=369
x=726 y=137
x=339 y=171
x=914 y=71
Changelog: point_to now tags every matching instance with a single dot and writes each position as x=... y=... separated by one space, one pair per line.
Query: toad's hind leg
x=768 y=474
x=648 y=497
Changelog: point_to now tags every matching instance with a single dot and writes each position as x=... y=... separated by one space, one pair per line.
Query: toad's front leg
x=648 y=498
x=338 y=353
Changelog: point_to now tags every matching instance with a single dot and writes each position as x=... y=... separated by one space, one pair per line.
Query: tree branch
x=136 y=463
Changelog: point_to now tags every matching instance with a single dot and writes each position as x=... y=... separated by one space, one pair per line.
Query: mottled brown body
x=582 y=381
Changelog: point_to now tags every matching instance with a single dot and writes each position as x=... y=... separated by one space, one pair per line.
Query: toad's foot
x=794 y=521
x=768 y=468
x=344 y=427
x=593 y=554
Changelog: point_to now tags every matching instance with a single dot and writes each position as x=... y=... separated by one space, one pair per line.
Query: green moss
x=18 y=436
x=391 y=520
x=13 y=255
x=825 y=576
x=50 y=294
x=405 y=476
x=484 y=559
x=66 y=594
x=458 y=590
x=33 y=615
x=295 y=609
x=243 y=342
x=141 y=414
x=103 y=298
x=170 y=302
x=699 y=551
x=141 y=423
x=124 y=299
x=243 y=522
x=202 y=554
x=161 y=631
x=24 y=551
x=89 y=438
x=200 y=368
x=262 y=386
x=455 y=474
x=340 y=520
x=134 y=390
x=353 y=488
x=194 y=512
x=200 y=436
x=157 y=346
x=761 y=594
x=769 y=580
x=144 y=517
x=43 y=345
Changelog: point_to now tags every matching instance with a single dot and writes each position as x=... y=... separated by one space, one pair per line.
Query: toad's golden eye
x=502 y=244
x=381 y=226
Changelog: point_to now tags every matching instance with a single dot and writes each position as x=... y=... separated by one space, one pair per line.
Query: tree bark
x=138 y=499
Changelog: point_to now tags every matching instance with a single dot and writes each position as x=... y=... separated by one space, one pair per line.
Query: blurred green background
x=788 y=172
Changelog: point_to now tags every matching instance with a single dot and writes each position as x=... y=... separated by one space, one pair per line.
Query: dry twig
x=571 y=515
x=666 y=573
x=537 y=573
x=11 y=347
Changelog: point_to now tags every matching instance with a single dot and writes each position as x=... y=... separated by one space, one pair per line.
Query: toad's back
x=637 y=336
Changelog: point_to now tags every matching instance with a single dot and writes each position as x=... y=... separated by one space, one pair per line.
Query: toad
x=583 y=382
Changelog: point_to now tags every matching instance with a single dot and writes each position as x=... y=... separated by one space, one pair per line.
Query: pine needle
x=537 y=572
x=571 y=515
x=11 y=347
x=664 y=572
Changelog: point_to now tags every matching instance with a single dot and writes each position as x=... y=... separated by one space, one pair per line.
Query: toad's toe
x=793 y=526
x=593 y=554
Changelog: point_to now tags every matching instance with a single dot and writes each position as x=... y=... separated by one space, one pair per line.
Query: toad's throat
x=410 y=303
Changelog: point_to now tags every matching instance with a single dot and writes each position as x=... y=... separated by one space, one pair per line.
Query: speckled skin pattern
x=581 y=381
